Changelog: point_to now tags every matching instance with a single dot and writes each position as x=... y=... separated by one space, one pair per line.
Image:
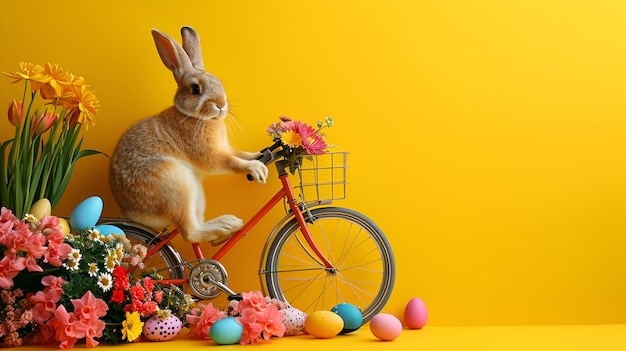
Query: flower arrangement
x=261 y=318
x=68 y=286
x=299 y=139
x=33 y=165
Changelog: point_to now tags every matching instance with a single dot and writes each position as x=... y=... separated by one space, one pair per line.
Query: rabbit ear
x=191 y=44
x=172 y=54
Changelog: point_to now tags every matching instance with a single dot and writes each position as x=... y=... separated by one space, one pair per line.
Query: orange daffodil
x=33 y=166
x=31 y=72
x=60 y=87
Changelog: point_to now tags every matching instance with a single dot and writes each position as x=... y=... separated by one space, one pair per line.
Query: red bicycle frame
x=285 y=191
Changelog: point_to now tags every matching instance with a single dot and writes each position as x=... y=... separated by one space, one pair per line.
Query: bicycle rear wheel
x=363 y=272
x=166 y=262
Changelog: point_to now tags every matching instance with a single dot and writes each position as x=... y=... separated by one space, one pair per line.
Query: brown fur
x=158 y=164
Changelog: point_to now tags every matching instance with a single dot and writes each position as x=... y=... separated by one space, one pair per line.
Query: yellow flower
x=132 y=326
x=53 y=89
x=31 y=72
x=84 y=99
x=291 y=138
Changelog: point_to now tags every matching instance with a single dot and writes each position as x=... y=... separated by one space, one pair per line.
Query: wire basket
x=323 y=177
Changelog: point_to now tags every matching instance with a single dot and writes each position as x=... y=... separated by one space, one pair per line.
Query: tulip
x=43 y=121
x=16 y=113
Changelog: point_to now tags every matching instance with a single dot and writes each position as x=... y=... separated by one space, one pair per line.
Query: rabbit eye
x=195 y=89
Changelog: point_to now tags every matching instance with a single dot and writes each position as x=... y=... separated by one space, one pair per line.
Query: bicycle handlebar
x=267 y=155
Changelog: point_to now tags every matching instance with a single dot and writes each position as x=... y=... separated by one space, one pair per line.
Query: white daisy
x=30 y=218
x=94 y=234
x=75 y=255
x=105 y=281
x=110 y=262
x=71 y=265
x=93 y=269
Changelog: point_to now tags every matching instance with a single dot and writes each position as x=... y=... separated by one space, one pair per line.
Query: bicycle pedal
x=237 y=297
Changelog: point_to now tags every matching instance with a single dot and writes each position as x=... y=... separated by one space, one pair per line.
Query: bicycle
x=317 y=256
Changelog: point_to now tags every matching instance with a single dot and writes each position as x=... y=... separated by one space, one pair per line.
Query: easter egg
x=65 y=226
x=415 y=313
x=106 y=229
x=86 y=214
x=155 y=329
x=41 y=208
x=323 y=324
x=351 y=315
x=385 y=326
x=293 y=321
x=226 y=331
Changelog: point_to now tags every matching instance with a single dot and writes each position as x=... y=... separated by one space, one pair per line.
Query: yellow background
x=486 y=137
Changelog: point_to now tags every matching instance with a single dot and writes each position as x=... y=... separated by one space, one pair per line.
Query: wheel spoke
x=363 y=270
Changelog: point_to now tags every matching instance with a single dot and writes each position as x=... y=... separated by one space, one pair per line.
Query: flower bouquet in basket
x=299 y=139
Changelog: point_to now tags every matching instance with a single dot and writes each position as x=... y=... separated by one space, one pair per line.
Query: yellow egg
x=41 y=208
x=323 y=324
x=65 y=226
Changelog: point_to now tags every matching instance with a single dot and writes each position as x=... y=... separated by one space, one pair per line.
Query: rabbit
x=158 y=164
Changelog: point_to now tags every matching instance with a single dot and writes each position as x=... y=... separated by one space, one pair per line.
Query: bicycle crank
x=208 y=278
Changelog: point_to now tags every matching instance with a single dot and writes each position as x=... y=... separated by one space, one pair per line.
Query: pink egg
x=155 y=329
x=415 y=313
x=385 y=326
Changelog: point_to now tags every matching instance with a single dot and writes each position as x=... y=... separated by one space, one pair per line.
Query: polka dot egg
x=155 y=329
x=294 y=320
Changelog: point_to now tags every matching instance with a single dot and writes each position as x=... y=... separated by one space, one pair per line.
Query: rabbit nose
x=221 y=103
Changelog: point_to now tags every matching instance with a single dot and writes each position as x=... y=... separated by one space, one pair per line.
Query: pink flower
x=271 y=322
x=49 y=226
x=53 y=282
x=86 y=322
x=314 y=144
x=158 y=296
x=202 y=323
x=9 y=269
x=251 y=329
x=89 y=308
x=254 y=300
x=56 y=253
x=45 y=303
x=63 y=327
x=42 y=121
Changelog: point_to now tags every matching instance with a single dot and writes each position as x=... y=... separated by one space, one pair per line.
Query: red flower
x=120 y=278
x=148 y=283
x=118 y=296
x=137 y=292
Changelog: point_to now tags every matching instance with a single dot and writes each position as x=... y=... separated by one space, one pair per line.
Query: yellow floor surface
x=534 y=338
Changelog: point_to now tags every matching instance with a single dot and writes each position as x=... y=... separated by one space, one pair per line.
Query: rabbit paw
x=258 y=171
x=228 y=224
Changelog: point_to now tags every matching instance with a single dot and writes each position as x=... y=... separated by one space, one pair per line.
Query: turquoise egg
x=351 y=315
x=86 y=214
x=106 y=229
x=226 y=331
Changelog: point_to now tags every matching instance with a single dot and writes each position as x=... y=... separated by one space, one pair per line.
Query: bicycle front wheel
x=363 y=271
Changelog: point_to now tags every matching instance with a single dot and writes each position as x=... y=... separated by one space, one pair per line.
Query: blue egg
x=106 y=229
x=226 y=331
x=351 y=315
x=86 y=214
